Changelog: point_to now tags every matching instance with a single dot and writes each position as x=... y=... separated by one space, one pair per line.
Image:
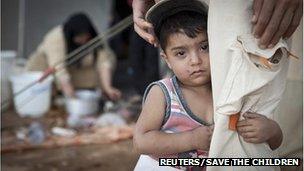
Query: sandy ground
x=117 y=156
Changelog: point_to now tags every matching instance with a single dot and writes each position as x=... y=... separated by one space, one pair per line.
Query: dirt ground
x=118 y=156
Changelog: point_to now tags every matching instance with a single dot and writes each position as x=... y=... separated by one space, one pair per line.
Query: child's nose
x=195 y=59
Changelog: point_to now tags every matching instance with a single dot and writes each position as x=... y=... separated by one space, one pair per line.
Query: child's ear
x=165 y=57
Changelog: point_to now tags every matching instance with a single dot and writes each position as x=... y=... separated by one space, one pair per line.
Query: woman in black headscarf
x=86 y=73
x=78 y=30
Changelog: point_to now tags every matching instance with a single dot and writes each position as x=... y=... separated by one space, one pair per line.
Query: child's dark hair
x=188 y=22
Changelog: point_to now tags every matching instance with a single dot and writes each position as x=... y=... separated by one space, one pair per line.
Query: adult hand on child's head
x=202 y=137
x=256 y=128
x=143 y=28
x=273 y=19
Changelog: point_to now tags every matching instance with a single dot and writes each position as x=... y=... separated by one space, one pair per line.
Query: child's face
x=82 y=38
x=189 y=58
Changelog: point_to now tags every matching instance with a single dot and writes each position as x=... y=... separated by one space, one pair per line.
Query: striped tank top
x=178 y=116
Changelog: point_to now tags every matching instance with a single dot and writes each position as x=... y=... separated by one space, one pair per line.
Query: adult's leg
x=136 y=54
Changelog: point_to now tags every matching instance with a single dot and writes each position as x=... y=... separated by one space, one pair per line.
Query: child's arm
x=148 y=139
x=257 y=128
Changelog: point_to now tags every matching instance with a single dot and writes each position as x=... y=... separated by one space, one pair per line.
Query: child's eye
x=204 y=47
x=180 y=54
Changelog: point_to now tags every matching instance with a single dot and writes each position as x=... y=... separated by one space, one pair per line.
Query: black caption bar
x=229 y=161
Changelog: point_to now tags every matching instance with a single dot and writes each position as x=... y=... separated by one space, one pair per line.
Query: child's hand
x=257 y=128
x=202 y=137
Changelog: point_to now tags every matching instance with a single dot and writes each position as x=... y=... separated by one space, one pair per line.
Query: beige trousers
x=242 y=82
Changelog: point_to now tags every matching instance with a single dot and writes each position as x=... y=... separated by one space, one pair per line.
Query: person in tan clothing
x=89 y=72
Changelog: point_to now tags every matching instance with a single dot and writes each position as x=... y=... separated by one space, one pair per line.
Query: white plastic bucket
x=85 y=103
x=35 y=101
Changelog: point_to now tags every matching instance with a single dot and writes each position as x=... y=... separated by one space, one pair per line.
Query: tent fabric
x=244 y=79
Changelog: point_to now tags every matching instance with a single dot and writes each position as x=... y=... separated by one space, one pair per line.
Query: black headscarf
x=77 y=24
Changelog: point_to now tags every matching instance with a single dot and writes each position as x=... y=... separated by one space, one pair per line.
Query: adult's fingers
x=257 y=6
x=141 y=26
x=273 y=24
x=263 y=18
x=140 y=22
x=295 y=21
x=140 y=7
x=282 y=28
x=144 y=34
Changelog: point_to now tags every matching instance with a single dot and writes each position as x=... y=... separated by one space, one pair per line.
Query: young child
x=177 y=115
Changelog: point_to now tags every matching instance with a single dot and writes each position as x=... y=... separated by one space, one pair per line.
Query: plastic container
x=35 y=101
x=85 y=103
